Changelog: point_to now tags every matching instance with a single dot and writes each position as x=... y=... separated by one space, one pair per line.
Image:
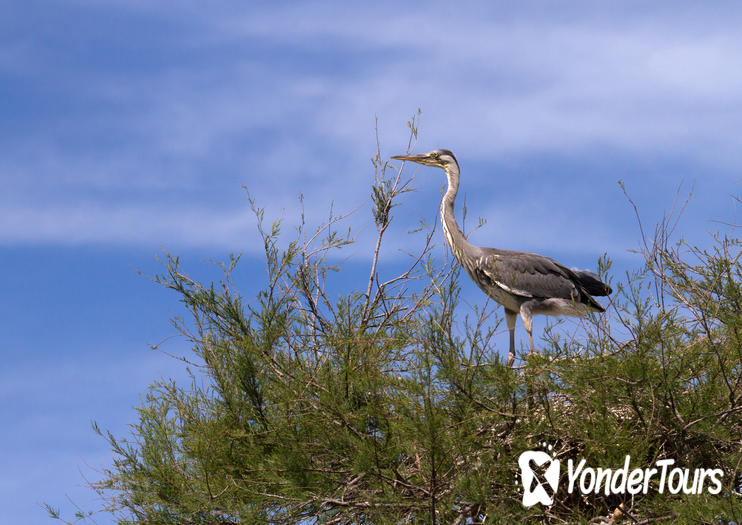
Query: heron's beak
x=420 y=158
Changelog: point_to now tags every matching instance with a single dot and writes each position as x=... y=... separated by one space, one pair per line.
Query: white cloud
x=517 y=85
x=129 y=225
x=297 y=116
x=520 y=84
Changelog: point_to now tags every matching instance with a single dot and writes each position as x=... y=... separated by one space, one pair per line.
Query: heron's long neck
x=456 y=240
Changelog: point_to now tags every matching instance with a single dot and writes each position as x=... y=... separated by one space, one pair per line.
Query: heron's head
x=440 y=158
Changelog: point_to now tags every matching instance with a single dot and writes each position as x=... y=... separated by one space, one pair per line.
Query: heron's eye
x=436 y=156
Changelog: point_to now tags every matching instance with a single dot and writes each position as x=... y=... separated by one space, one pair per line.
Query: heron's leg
x=510 y=318
x=527 y=316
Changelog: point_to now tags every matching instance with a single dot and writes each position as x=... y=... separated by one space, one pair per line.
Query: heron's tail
x=592 y=283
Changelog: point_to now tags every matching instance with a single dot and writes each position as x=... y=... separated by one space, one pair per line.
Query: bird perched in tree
x=523 y=283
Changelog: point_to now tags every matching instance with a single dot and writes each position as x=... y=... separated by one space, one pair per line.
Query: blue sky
x=128 y=127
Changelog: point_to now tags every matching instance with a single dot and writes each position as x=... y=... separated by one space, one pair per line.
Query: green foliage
x=392 y=404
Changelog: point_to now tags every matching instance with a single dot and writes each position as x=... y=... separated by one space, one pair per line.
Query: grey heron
x=523 y=283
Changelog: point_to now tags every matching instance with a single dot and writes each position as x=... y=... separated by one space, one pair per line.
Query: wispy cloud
x=524 y=82
x=282 y=99
x=50 y=448
x=129 y=225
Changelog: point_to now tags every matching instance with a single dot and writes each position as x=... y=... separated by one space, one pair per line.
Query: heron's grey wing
x=528 y=274
x=591 y=282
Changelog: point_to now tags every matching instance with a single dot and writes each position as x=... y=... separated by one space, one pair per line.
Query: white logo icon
x=540 y=476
